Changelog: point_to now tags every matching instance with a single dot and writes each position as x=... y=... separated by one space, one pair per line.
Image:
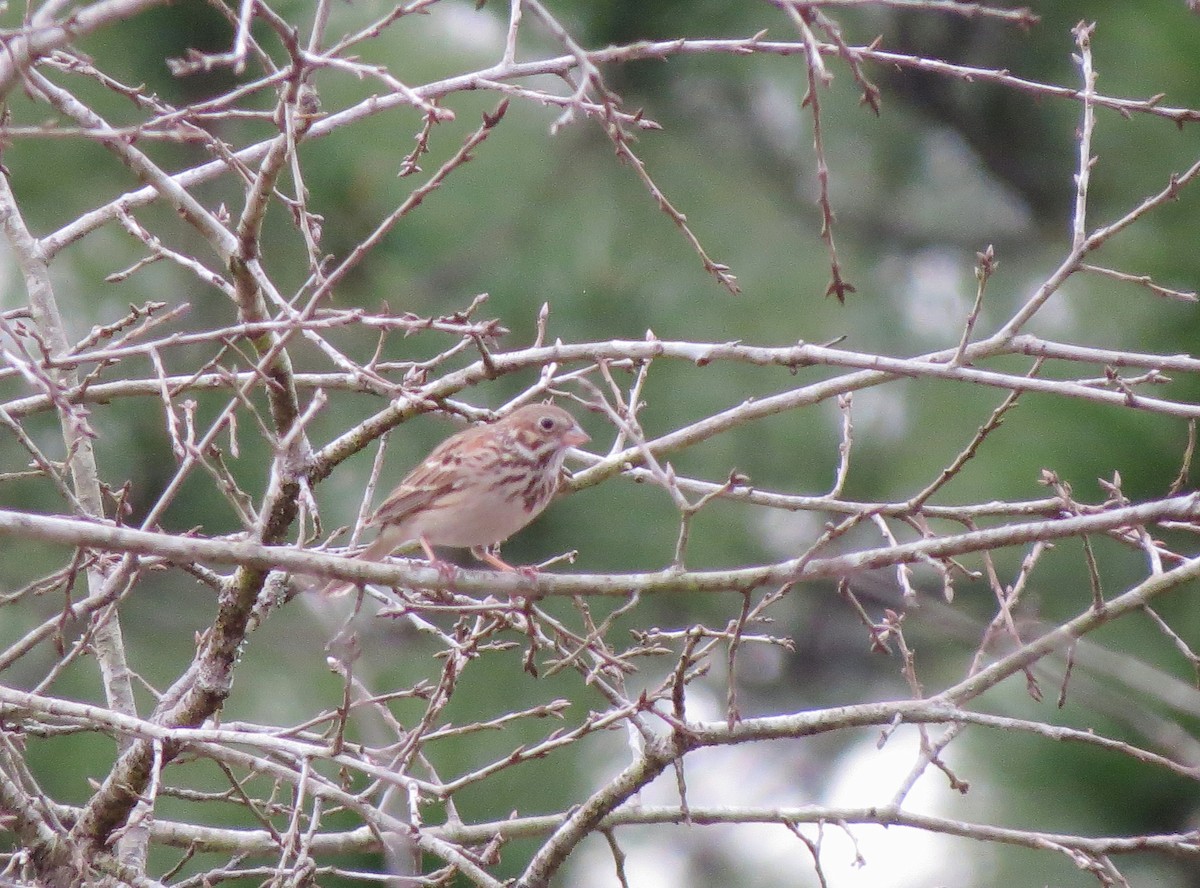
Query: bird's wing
x=408 y=498
x=441 y=473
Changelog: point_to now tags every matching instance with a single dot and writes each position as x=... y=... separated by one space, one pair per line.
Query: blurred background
x=945 y=170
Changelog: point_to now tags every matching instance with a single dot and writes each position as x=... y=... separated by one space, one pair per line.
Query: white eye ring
x=546 y=423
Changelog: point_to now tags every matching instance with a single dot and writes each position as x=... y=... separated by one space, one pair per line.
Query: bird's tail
x=382 y=546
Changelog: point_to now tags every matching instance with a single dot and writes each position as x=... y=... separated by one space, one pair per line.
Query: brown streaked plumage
x=477 y=488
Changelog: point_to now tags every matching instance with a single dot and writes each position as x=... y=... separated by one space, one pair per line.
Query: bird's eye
x=546 y=423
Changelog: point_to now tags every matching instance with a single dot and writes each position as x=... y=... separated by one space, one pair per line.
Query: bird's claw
x=447 y=571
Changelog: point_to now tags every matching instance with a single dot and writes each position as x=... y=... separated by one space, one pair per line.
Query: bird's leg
x=483 y=553
x=445 y=569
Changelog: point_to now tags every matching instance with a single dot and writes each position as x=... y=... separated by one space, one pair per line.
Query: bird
x=476 y=489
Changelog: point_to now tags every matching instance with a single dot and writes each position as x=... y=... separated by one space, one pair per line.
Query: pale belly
x=480 y=525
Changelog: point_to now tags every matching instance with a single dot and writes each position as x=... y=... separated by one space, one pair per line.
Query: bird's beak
x=576 y=436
